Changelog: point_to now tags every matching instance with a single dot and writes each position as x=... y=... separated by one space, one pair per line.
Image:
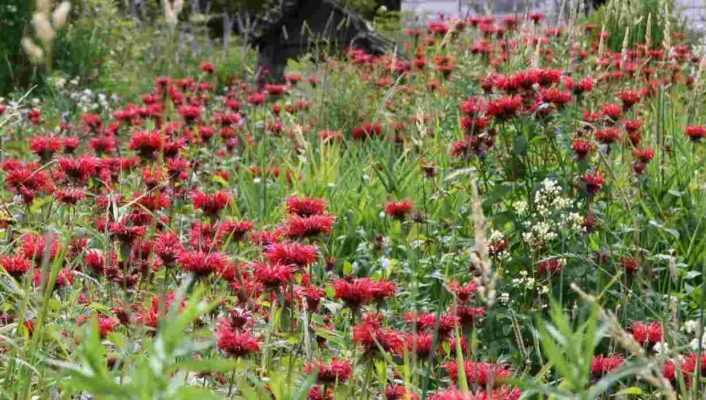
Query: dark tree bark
x=295 y=27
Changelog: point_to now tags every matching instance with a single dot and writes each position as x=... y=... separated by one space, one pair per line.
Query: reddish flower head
x=301 y=227
x=213 y=203
x=234 y=342
x=16 y=265
x=647 y=333
x=305 y=206
x=292 y=253
x=593 y=182
x=335 y=371
x=399 y=209
x=695 y=132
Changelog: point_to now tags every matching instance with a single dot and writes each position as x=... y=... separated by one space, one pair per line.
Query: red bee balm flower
x=305 y=207
x=213 y=203
x=273 y=275
x=336 y=371
x=647 y=333
x=399 y=209
x=295 y=254
x=581 y=148
x=146 y=143
x=301 y=227
x=16 y=265
x=601 y=365
x=234 y=342
x=480 y=373
x=201 y=263
x=696 y=132
x=593 y=182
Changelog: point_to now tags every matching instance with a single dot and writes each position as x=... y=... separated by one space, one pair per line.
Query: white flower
x=661 y=347
x=691 y=326
x=520 y=206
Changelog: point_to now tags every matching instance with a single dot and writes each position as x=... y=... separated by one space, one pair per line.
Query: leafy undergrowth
x=516 y=210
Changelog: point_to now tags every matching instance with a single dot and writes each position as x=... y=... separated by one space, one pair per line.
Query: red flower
x=463 y=292
x=64 y=278
x=320 y=393
x=275 y=90
x=95 y=261
x=370 y=334
x=480 y=373
x=335 y=371
x=167 y=247
x=257 y=98
x=273 y=275
x=647 y=333
x=38 y=247
x=593 y=182
x=357 y=292
x=469 y=315
x=107 y=325
x=126 y=233
x=696 y=132
x=292 y=253
x=501 y=393
x=190 y=113
x=366 y=130
x=581 y=148
x=399 y=392
x=644 y=155
x=301 y=227
x=585 y=85
x=608 y=135
x=235 y=230
x=16 y=265
x=207 y=67
x=555 y=96
x=234 y=342
x=71 y=144
x=27 y=181
x=147 y=143
x=427 y=322
x=399 y=209
x=305 y=206
x=213 y=203
x=312 y=296
x=70 y=196
x=45 y=146
x=601 y=365
x=550 y=266
x=201 y=263
x=92 y=122
x=691 y=363
x=629 y=98
x=632 y=125
x=612 y=111
x=104 y=144
x=630 y=264
x=505 y=108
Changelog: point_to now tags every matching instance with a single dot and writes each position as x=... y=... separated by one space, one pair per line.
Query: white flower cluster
x=552 y=213
x=693 y=327
x=86 y=100
x=529 y=283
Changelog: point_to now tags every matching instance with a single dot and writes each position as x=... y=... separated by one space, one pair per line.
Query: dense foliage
x=515 y=210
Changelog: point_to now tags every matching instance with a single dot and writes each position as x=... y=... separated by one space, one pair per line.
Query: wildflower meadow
x=507 y=207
